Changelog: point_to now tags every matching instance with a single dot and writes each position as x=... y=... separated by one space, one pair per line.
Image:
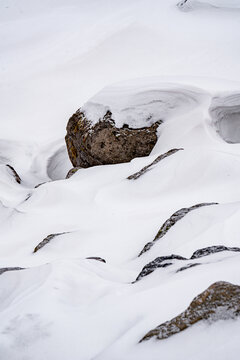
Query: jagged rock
x=72 y=171
x=100 y=143
x=147 y=168
x=3 y=270
x=159 y=262
x=15 y=174
x=96 y=258
x=221 y=301
x=46 y=240
x=178 y=215
x=212 y=250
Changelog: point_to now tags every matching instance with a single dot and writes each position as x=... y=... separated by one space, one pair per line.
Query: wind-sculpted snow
x=225 y=113
x=58 y=164
x=141 y=105
x=67 y=303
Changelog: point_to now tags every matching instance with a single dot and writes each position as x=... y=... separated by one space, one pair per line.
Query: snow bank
x=141 y=104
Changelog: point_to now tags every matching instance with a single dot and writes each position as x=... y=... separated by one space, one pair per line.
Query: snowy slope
x=55 y=55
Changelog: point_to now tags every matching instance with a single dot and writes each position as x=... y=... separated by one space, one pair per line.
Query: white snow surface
x=218 y=4
x=55 y=55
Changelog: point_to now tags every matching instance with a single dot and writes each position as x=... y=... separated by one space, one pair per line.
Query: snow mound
x=225 y=112
x=141 y=104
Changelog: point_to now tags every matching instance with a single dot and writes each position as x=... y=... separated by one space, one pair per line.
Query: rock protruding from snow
x=3 y=270
x=178 y=215
x=15 y=174
x=221 y=301
x=46 y=240
x=160 y=262
x=225 y=112
x=72 y=171
x=103 y=143
x=97 y=258
x=212 y=250
x=148 y=167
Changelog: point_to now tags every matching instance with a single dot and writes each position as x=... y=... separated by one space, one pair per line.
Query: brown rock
x=103 y=143
x=221 y=301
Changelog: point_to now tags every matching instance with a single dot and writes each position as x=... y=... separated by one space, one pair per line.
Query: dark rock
x=221 y=301
x=46 y=240
x=3 y=270
x=72 y=171
x=148 y=167
x=37 y=186
x=178 y=215
x=15 y=174
x=188 y=266
x=159 y=262
x=96 y=258
x=103 y=143
x=212 y=250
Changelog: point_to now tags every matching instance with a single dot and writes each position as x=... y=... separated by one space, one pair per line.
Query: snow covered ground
x=55 y=55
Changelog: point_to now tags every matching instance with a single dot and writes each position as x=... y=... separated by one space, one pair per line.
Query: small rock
x=148 y=167
x=72 y=171
x=159 y=262
x=15 y=174
x=212 y=250
x=46 y=240
x=96 y=258
x=178 y=215
x=188 y=266
x=3 y=270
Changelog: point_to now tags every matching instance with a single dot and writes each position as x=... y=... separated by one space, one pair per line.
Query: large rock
x=103 y=143
x=221 y=301
x=120 y=122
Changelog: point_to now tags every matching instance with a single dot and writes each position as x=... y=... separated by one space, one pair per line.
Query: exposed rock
x=3 y=270
x=221 y=301
x=46 y=240
x=103 y=143
x=15 y=174
x=159 y=262
x=37 y=186
x=212 y=250
x=96 y=258
x=72 y=171
x=188 y=266
x=178 y=215
x=148 y=167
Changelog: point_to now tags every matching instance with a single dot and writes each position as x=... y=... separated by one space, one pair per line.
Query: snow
x=55 y=55
x=199 y=4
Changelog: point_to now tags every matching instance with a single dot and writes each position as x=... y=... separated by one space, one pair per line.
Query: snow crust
x=55 y=55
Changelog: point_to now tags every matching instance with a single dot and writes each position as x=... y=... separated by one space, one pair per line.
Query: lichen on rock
x=103 y=143
x=220 y=301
